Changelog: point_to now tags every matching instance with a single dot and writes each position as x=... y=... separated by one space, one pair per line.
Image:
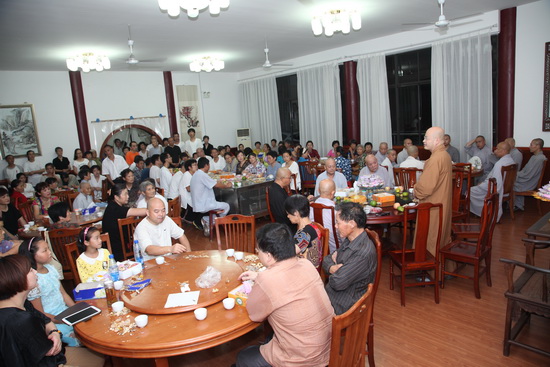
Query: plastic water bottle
x=113 y=268
x=137 y=253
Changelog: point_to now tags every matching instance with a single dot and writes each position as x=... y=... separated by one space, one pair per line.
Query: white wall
x=533 y=31
x=50 y=92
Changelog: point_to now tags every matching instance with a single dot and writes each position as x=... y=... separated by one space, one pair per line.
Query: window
x=409 y=87
x=287 y=92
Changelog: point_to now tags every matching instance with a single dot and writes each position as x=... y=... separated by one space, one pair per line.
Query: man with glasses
x=278 y=195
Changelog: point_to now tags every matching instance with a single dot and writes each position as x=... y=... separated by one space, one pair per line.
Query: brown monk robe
x=435 y=186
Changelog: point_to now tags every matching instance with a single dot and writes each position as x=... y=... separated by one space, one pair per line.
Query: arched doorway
x=129 y=133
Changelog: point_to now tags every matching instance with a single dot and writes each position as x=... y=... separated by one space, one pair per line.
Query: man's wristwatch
x=56 y=331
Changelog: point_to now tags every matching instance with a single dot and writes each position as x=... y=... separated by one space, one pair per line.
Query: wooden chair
x=72 y=253
x=271 y=217
x=473 y=229
x=159 y=190
x=293 y=178
x=308 y=174
x=26 y=211
x=174 y=207
x=530 y=246
x=105 y=186
x=526 y=296
x=58 y=239
x=461 y=194
x=370 y=339
x=240 y=231
x=509 y=174
x=350 y=332
x=212 y=217
x=406 y=177
x=318 y=217
x=325 y=250
x=177 y=220
x=71 y=195
x=126 y=228
x=533 y=192
x=473 y=253
x=418 y=260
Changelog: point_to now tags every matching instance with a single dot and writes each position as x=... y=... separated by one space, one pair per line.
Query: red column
x=351 y=102
x=506 y=73
x=79 y=110
x=170 y=104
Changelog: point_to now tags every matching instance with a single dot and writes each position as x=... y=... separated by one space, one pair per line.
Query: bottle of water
x=137 y=253
x=113 y=268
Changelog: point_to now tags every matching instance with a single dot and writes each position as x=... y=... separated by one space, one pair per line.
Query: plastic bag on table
x=209 y=278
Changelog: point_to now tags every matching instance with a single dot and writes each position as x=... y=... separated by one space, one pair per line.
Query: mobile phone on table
x=81 y=315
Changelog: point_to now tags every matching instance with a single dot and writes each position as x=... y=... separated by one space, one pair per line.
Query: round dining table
x=177 y=333
x=80 y=220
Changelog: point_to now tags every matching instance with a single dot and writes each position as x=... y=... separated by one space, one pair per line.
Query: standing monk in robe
x=435 y=186
x=528 y=177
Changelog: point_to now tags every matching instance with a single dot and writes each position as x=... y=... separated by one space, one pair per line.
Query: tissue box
x=384 y=199
x=86 y=291
x=128 y=269
x=239 y=295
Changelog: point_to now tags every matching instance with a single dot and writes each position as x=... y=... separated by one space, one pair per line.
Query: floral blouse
x=344 y=165
x=44 y=210
x=256 y=169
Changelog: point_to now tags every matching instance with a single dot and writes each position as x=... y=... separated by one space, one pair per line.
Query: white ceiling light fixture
x=192 y=7
x=89 y=61
x=207 y=64
x=337 y=20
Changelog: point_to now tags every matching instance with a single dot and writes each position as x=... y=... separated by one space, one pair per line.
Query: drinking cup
x=31 y=223
x=117 y=306
x=141 y=320
x=229 y=303
x=200 y=313
x=118 y=284
x=230 y=252
x=239 y=255
x=159 y=260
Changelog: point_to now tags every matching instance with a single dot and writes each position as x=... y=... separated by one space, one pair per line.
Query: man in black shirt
x=278 y=195
x=174 y=152
x=62 y=165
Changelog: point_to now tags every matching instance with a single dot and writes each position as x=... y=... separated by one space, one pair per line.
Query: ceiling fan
x=132 y=60
x=267 y=64
x=442 y=23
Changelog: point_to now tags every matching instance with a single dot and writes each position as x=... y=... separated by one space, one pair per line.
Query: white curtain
x=320 y=106
x=374 y=101
x=260 y=109
x=462 y=101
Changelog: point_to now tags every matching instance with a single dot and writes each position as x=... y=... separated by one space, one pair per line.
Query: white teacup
x=27 y=226
x=31 y=223
x=118 y=284
x=230 y=252
x=99 y=213
x=159 y=260
x=229 y=303
x=117 y=306
x=141 y=320
x=200 y=313
x=239 y=255
x=42 y=229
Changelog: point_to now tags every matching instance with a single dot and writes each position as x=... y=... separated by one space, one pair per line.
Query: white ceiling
x=41 y=34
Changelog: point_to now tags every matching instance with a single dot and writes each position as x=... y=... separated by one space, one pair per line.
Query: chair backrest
x=308 y=173
x=349 y=333
x=376 y=241
x=318 y=217
x=26 y=210
x=239 y=232
x=58 y=239
x=126 y=228
x=106 y=241
x=178 y=222
x=405 y=177
x=293 y=178
x=105 y=190
x=491 y=186
x=72 y=253
x=509 y=174
x=422 y=229
x=71 y=195
x=159 y=190
x=461 y=195
x=325 y=250
x=174 y=207
x=488 y=220
x=271 y=217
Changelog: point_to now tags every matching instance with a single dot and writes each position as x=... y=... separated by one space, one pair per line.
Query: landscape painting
x=18 y=127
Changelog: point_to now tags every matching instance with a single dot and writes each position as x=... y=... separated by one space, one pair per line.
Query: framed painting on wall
x=18 y=130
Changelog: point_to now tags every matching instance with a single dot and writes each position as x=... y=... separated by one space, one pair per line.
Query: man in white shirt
x=391 y=162
x=193 y=143
x=403 y=153
x=32 y=168
x=85 y=198
x=112 y=165
x=331 y=173
x=217 y=163
x=154 y=171
x=178 y=142
x=154 y=147
x=382 y=152
x=202 y=194
x=373 y=168
x=11 y=171
x=412 y=160
x=165 y=174
x=184 y=190
x=156 y=231
x=327 y=189
x=173 y=191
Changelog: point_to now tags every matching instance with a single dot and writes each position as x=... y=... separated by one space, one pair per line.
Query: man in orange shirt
x=132 y=153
